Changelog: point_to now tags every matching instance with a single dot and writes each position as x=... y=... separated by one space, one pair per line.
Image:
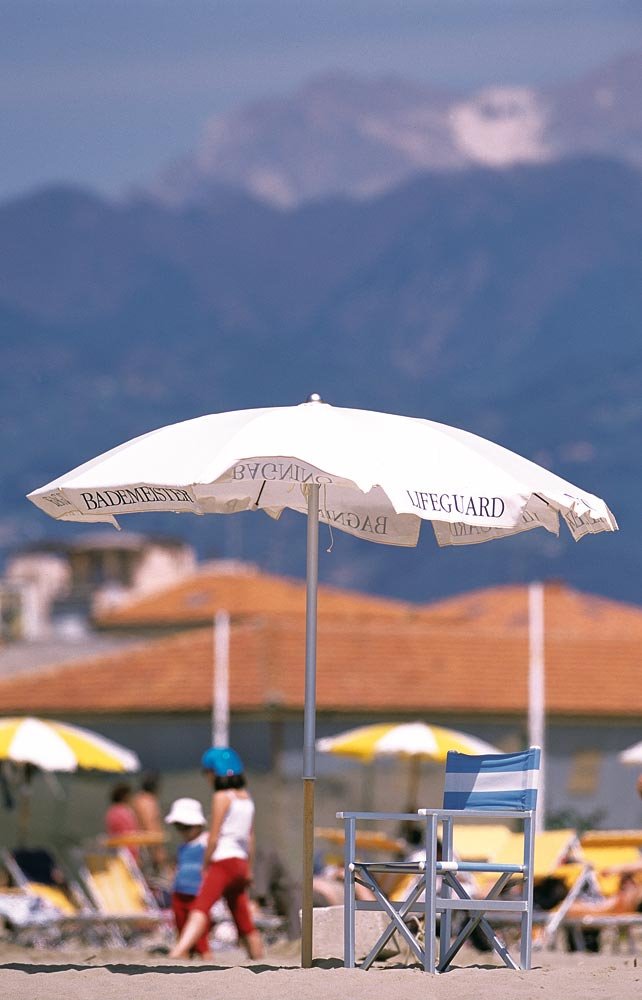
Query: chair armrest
x=477 y=813
x=377 y=815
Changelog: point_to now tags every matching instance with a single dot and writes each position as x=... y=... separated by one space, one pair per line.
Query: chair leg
x=392 y=927
x=430 y=903
x=526 y=942
x=496 y=943
x=445 y=926
x=396 y=919
x=349 y=905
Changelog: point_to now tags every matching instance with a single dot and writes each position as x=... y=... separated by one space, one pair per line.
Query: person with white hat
x=227 y=864
x=186 y=816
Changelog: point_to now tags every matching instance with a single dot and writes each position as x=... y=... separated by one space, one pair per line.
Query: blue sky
x=104 y=92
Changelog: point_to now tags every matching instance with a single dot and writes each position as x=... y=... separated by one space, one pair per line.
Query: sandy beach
x=27 y=974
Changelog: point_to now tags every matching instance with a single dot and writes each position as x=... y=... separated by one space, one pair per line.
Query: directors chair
x=496 y=787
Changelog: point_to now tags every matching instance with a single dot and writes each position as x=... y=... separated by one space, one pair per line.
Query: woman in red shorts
x=226 y=863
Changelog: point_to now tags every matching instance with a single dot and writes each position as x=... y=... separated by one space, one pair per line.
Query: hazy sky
x=104 y=92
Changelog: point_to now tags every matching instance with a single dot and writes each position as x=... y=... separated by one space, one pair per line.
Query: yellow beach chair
x=480 y=841
x=56 y=908
x=610 y=849
x=598 y=850
x=556 y=856
x=118 y=891
x=601 y=849
x=554 y=850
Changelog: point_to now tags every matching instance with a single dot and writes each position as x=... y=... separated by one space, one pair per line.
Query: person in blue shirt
x=186 y=816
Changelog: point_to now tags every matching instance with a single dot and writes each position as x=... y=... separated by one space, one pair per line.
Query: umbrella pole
x=24 y=804
x=309 y=710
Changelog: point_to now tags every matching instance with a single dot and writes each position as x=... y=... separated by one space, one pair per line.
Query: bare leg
x=622 y=902
x=253 y=944
x=196 y=925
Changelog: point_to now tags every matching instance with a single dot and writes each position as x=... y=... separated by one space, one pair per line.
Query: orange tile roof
x=405 y=666
x=567 y=612
x=194 y=601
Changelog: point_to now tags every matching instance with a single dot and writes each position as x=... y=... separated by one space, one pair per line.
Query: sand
x=29 y=974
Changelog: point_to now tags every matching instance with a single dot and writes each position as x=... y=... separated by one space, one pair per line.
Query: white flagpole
x=537 y=690
x=221 y=681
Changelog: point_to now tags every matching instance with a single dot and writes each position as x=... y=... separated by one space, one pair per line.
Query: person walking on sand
x=186 y=816
x=228 y=854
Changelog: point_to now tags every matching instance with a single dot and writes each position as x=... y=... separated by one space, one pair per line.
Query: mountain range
x=505 y=301
x=341 y=135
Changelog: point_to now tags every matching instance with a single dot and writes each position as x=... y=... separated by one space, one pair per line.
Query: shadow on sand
x=139 y=970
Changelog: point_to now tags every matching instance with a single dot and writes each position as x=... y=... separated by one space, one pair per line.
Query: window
x=584 y=772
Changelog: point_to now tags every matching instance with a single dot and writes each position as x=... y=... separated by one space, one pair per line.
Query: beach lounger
x=596 y=851
x=622 y=927
x=556 y=869
x=602 y=849
x=42 y=904
x=599 y=858
x=375 y=841
x=496 y=787
x=28 y=920
x=36 y=871
x=119 y=892
x=480 y=841
x=612 y=838
x=553 y=849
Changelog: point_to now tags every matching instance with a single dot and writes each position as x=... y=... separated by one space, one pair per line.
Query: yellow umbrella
x=57 y=746
x=402 y=739
x=415 y=740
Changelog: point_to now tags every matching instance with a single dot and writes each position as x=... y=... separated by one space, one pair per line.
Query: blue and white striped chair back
x=492 y=781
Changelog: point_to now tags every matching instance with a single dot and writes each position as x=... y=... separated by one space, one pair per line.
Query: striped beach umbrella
x=402 y=739
x=416 y=741
x=632 y=755
x=57 y=746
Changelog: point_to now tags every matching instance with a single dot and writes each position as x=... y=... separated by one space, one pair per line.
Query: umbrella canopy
x=379 y=476
x=373 y=475
x=414 y=741
x=632 y=755
x=56 y=746
x=409 y=739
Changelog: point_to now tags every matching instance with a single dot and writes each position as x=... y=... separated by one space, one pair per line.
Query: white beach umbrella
x=632 y=755
x=402 y=739
x=415 y=741
x=57 y=746
x=373 y=475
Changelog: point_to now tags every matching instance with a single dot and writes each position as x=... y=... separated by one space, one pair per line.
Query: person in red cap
x=228 y=855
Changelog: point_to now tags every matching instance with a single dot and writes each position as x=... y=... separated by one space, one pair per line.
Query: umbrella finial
x=314 y=397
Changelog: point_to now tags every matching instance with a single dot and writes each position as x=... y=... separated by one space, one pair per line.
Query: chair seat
x=401 y=867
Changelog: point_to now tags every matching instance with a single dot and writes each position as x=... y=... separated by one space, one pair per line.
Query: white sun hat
x=189 y=812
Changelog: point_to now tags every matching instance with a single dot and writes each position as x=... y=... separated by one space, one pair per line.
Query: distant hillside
x=506 y=302
x=341 y=135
